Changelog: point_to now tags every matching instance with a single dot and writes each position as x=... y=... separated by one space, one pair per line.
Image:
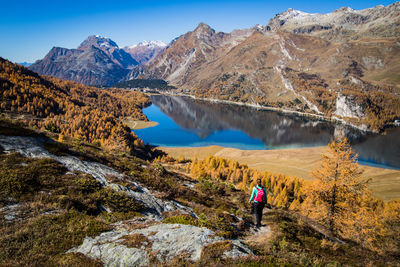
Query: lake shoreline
x=293 y=162
x=333 y=119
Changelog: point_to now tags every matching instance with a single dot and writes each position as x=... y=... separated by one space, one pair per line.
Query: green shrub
x=118 y=201
x=88 y=184
x=182 y=219
x=76 y=259
x=21 y=177
x=215 y=250
x=112 y=217
x=39 y=241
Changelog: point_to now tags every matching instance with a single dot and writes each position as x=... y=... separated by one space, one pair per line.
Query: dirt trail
x=265 y=233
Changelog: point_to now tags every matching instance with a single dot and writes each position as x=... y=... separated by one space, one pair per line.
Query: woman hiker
x=259 y=198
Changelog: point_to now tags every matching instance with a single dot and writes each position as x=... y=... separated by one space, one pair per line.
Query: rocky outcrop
x=346 y=107
x=161 y=241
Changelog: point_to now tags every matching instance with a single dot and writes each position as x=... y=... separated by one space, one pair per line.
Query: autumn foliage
x=70 y=109
x=338 y=198
x=284 y=189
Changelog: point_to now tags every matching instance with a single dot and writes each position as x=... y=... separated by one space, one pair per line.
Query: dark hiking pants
x=257 y=210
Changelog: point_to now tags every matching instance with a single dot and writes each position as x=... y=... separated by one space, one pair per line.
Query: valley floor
x=385 y=183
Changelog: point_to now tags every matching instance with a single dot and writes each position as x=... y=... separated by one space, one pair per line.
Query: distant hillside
x=145 y=83
x=343 y=65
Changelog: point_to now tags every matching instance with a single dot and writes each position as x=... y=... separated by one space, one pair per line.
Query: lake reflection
x=187 y=122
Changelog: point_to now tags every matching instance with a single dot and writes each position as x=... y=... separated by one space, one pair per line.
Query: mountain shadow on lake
x=184 y=121
x=273 y=129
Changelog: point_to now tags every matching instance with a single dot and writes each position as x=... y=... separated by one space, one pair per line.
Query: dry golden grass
x=293 y=162
x=137 y=124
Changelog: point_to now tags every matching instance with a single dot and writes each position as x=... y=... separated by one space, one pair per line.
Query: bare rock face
x=164 y=240
x=97 y=61
x=345 y=107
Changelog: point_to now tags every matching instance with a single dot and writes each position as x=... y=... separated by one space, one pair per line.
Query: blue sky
x=29 y=29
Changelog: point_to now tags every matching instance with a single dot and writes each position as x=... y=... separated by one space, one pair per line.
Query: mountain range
x=96 y=61
x=331 y=64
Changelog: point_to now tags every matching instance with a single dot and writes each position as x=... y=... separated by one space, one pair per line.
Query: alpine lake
x=186 y=122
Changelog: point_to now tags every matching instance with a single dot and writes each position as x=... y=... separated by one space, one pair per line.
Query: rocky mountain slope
x=191 y=51
x=343 y=23
x=332 y=64
x=97 y=61
x=145 y=50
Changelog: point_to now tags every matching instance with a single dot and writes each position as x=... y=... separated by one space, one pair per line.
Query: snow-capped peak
x=292 y=13
x=258 y=27
x=150 y=44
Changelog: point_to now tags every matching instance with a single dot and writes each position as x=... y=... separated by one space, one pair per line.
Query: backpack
x=260 y=197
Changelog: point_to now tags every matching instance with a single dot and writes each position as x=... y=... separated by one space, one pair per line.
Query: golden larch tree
x=338 y=191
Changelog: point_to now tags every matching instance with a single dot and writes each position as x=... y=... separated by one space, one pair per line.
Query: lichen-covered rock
x=107 y=247
x=167 y=241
